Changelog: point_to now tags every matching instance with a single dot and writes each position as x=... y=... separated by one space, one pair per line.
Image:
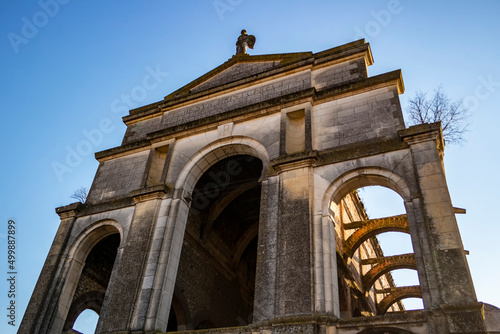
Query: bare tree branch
x=80 y=194
x=453 y=115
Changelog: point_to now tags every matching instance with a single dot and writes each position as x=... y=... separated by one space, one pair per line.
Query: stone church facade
x=231 y=207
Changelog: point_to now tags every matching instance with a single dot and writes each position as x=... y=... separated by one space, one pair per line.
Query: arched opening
x=86 y=322
x=365 y=205
x=94 y=279
x=407 y=279
x=217 y=267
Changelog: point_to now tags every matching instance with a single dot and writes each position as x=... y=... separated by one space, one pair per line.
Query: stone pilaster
x=44 y=300
x=456 y=295
x=124 y=290
x=295 y=269
x=265 y=281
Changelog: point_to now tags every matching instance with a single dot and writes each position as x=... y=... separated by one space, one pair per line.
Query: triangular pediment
x=244 y=70
x=239 y=68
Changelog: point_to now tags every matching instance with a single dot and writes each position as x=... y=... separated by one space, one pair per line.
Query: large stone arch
x=354 y=179
x=216 y=151
x=76 y=256
x=185 y=183
x=327 y=289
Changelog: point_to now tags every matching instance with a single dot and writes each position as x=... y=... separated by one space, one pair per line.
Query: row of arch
x=216 y=152
x=375 y=281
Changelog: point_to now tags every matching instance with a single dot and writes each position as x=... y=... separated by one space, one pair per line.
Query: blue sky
x=66 y=69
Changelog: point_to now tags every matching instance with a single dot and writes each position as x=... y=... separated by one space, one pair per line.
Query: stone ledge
x=70 y=210
x=122 y=150
x=213 y=120
x=423 y=133
x=336 y=91
x=395 y=318
x=288 y=62
x=107 y=205
x=420 y=129
x=292 y=161
x=359 y=150
x=148 y=193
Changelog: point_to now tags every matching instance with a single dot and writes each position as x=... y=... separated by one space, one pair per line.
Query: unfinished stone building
x=231 y=207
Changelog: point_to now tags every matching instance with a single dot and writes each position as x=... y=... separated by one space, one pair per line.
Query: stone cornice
x=294 y=161
x=289 y=63
x=149 y=193
x=422 y=133
x=70 y=210
x=390 y=79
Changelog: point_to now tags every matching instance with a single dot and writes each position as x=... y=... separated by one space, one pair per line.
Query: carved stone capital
x=149 y=193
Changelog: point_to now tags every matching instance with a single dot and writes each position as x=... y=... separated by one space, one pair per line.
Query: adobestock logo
x=483 y=91
x=223 y=6
x=94 y=137
x=31 y=27
x=381 y=19
x=139 y=93
x=74 y=156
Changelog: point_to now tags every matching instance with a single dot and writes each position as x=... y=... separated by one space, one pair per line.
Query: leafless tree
x=453 y=115
x=80 y=194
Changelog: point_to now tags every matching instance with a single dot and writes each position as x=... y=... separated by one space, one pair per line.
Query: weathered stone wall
x=118 y=177
x=372 y=115
x=209 y=295
x=339 y=73
x=238 y=99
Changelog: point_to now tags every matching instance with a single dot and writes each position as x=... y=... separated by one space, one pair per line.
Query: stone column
x=124 y=290
x=265 y=280
x=295 y=252
x=43 y=304
x=166 y=253
x=457 y=298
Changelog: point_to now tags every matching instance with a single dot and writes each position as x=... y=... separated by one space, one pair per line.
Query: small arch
x=404 y=261
x=396 y=295
x=181 y=308
x=371 y=228
x=86 y=322
x=91 y=300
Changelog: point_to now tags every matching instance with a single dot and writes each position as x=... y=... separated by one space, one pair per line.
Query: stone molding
x=149 y=193
x=70 y=210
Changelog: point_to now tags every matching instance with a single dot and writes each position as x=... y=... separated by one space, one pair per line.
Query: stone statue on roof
x=244 y=41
